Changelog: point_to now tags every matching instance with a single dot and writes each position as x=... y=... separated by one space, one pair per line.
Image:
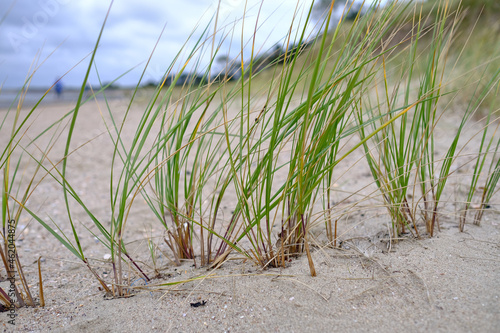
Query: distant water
x=10 y=97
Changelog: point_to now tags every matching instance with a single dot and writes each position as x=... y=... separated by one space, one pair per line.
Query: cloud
x=67 y=31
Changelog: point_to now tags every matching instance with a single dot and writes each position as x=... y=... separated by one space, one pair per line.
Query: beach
x=368 y=283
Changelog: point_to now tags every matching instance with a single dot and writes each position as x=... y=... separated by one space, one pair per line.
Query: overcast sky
x=58 y=34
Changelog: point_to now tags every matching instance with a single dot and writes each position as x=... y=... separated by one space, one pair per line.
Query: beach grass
x=271 y=142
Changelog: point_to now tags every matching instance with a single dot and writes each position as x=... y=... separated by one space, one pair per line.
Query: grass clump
x=269 y=144
x=18 y=184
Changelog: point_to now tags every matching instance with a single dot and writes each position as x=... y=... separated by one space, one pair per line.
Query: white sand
x=448 y=283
